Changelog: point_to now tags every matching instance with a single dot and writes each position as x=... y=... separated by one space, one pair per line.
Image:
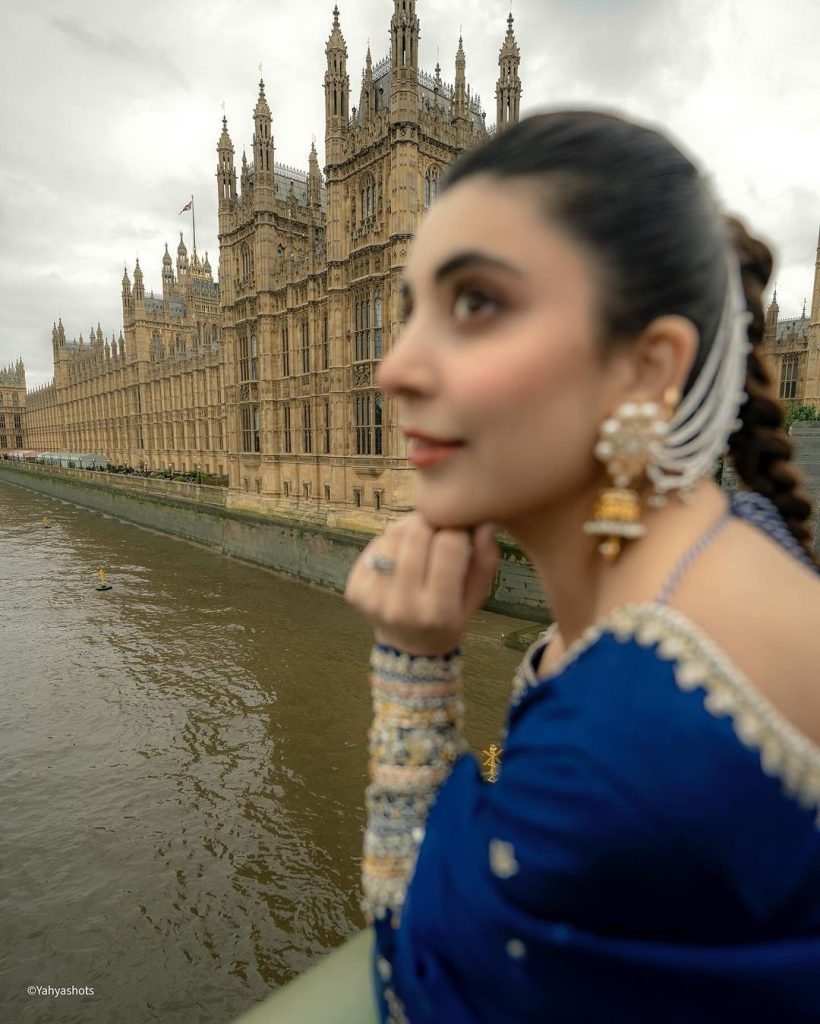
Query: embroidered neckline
x=699 y=662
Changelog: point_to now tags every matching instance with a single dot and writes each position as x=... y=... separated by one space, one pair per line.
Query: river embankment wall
x=806 y=439
x=307 y=551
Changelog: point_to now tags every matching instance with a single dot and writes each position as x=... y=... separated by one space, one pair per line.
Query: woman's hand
x=439 y=580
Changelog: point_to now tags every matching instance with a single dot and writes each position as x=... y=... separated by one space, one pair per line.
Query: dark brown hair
x=642 y=208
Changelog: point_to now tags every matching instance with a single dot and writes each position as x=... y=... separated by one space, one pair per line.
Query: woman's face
x=499 y=354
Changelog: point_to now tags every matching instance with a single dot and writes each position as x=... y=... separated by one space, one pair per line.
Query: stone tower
x=508 y=88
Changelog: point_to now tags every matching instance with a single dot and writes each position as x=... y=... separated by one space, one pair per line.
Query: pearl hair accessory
x=674 y=444
x=700 y=428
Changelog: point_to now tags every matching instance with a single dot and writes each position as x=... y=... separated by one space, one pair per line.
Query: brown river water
x=182 y=767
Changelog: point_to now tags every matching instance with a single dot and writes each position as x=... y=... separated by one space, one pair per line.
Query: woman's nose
x=407 y=367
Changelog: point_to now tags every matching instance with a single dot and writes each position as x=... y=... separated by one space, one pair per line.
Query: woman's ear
x=662 y=357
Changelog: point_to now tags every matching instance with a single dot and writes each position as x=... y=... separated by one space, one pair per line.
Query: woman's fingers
x=413 y=554
x=365 y=587
x=482 y=568
x=442 y=596
x=440 y=577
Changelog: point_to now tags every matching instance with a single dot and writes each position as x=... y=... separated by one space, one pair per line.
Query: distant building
x=269 y=376
x=792 y=348
x=13 y=425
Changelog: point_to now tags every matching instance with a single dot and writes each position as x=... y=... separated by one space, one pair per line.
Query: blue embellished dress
x=650 y=852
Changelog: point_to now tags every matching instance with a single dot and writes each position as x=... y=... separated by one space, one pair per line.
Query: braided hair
x=643 y=209
x=761 y=450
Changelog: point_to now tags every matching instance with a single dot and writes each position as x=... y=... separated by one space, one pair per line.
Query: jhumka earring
x=628 y=441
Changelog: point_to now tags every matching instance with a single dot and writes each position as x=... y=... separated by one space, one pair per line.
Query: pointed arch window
x=377 y=324
x=369 y=416
x=287 y=439
x=788 y=377
x=305 y=347
x=430 y=187
x=285 y=351
x=368 y=199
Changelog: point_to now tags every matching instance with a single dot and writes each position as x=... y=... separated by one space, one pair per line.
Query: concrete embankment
x=310 y=552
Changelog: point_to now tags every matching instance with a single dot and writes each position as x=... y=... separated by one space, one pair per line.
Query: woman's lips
x=429 y=453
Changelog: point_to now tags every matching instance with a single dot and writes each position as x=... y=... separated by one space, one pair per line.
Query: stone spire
x=772 y=316
x=262 y=140
x=225 y=170
x=139 y=289
x=508 y=88
x=337 y=92
x=314 y=189
x=367 y=103
x=167 y=271
x=182 y=259
x=245 y=178
x=460 y=87
x=404 y=62
x=404 y=35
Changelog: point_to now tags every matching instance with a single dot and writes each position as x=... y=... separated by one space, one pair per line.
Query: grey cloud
x=115 y=47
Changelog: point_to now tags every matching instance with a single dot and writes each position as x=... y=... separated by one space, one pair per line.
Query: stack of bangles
x=414 y=741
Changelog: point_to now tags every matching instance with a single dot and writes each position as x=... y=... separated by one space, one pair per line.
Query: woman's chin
x=443 y=516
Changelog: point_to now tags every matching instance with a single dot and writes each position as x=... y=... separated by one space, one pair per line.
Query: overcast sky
x=112 y=112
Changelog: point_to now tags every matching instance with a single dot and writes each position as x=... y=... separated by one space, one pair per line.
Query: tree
x=800 y=412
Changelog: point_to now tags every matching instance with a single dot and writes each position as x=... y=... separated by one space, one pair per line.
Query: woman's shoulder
x=653 y=693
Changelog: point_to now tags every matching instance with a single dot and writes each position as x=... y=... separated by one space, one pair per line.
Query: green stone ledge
x=337 y=990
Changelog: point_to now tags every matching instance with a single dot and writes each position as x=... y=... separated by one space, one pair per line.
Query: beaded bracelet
x=413 y=742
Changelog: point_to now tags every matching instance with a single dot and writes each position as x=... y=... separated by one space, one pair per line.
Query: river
x=183 y=760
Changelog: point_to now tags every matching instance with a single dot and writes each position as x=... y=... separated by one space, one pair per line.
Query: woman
x=578 y=350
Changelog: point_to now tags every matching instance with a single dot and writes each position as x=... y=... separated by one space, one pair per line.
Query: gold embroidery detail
x=785 y=753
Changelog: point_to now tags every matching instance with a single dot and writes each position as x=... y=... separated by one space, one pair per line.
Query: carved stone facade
x=152 y=398
x=14 y=432
x=792 y=348
x=270 y=377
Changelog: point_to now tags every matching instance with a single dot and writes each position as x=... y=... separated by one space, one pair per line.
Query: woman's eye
x=471 y=303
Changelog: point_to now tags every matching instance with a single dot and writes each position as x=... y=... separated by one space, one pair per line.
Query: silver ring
x=381 y=563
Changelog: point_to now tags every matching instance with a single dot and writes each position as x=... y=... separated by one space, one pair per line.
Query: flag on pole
x=187 y=206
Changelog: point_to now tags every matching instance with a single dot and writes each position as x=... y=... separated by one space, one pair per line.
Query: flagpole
x=193 y=219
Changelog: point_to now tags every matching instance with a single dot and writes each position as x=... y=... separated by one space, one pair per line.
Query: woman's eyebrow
x=474 y=259
x=459 y=262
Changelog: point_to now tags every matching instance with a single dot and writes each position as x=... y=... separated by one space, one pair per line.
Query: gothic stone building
x=792 y=348
x=309 y=269
x=13 y=425
x=269 y=376
x=153 y=398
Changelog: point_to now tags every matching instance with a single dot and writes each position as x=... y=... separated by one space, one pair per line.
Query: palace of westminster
x=267 y=377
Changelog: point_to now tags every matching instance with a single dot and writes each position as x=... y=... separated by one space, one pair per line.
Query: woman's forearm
x=415 y=738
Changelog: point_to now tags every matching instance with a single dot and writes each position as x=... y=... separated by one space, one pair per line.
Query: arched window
x=378 y=425
x=377 y=324
x=430 y=186
x=788 y=376
x=246 y=261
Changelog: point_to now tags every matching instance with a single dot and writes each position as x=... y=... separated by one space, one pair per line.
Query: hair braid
x=761 y=450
